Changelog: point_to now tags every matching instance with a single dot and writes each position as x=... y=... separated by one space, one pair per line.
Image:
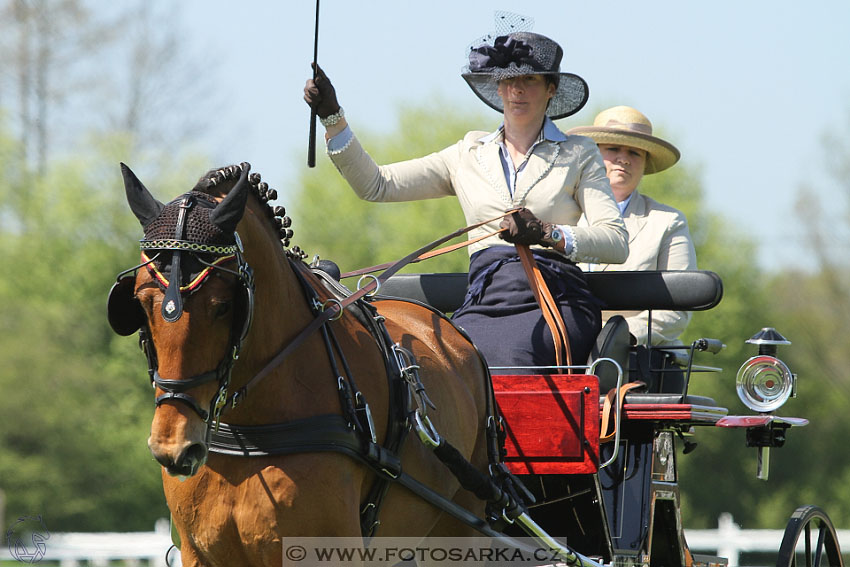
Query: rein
x=333 y=309
x=426 y=255
x=548 y=306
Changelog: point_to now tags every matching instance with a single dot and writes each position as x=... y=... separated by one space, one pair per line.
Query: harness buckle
x=409 y=371
x=425 y=430
x=220 y=402
x=363 y=412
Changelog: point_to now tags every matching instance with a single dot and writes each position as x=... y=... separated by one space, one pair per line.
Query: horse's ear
x=229 y=212
x=142 y=203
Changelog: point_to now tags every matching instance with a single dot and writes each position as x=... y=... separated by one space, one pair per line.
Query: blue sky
x=746 y=90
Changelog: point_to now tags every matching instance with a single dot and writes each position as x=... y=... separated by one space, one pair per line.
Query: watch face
x=557 y=235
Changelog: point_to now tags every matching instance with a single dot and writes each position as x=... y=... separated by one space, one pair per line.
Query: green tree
x=815 y=316
x=77 y=406
x=719 y=476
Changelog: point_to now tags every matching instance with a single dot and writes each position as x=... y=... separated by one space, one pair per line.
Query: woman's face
x=525 y=97
x=625 y=166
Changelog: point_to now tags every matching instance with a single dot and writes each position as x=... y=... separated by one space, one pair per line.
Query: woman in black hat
x=527 y=163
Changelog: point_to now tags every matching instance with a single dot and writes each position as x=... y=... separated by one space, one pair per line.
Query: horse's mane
x=218 y=182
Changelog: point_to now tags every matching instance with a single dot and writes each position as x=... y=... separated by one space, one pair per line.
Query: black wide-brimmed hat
x=523 y=53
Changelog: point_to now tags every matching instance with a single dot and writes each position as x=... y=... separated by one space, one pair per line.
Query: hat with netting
x=626 y=126
x=514 y=51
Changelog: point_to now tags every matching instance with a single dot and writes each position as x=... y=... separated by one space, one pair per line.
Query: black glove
x=522 y=228
x=320 y=94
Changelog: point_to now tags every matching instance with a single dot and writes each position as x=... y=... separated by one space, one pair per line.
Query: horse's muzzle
x=184 y=463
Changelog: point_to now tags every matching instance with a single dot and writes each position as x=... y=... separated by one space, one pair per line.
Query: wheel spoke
x=808 y=535
x=819 y=548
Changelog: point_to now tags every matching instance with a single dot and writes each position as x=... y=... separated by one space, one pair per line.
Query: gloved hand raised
x=320 y=94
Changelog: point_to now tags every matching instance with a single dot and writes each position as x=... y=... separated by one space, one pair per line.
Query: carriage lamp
x=764 y=383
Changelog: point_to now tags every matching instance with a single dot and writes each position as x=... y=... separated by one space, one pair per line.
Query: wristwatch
x=552 y=235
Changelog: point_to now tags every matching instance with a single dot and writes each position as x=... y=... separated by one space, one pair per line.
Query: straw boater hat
x=523 y=53
x=625 y=126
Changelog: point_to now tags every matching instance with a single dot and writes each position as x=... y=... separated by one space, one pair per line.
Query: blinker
x=123 y=310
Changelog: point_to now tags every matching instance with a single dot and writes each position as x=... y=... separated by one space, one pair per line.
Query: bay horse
x=208 y=257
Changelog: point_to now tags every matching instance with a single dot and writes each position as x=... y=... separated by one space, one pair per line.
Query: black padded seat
x=443 y=291
x=695 y=290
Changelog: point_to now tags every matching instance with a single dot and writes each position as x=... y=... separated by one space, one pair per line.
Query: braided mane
x=220 y=181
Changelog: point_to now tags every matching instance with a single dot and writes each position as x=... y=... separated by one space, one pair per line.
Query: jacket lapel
x=634 y=216
x=539 y=164
x=491 y=166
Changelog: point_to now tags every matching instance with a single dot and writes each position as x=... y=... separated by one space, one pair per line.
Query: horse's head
x=191 y=300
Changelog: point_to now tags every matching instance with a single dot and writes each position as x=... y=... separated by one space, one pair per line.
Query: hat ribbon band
x=633 y=126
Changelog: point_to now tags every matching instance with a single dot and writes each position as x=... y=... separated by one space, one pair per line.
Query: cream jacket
x=561 y=181
x=659 y=239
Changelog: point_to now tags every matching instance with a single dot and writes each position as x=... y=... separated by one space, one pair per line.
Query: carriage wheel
x=820 y=544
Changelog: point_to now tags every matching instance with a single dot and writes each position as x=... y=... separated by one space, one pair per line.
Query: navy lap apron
x=504 y=320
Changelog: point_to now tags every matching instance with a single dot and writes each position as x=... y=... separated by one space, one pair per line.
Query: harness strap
x=548 y=306
x=337 y=308
x=614 y=403
x=331 y=433
x=186 y=399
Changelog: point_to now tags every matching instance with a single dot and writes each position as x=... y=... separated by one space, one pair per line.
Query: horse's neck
x=282 y=311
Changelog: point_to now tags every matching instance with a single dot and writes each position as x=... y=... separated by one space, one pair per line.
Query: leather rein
x=333 y=308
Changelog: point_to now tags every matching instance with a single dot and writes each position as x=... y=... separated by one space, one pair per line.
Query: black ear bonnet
x=184 y=241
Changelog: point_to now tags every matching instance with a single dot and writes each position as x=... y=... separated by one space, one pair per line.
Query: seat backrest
x=614 y=342
x=696 y=290
x=443 y=291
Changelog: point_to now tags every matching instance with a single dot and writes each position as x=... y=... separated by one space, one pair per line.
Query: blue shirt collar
x=623 y=204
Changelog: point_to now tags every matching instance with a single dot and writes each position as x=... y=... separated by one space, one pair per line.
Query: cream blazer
x=659 y=239
x=561 y=181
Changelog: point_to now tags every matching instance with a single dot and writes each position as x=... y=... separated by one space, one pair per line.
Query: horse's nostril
x=194 y=457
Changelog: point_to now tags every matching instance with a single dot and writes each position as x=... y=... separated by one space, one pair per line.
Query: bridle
x=127 y=316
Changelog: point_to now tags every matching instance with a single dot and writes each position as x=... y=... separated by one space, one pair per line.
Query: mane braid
x=213 y=182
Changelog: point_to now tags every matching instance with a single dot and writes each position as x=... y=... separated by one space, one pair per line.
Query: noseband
x=126 y=315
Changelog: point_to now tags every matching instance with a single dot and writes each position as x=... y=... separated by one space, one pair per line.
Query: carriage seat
x=695 y=290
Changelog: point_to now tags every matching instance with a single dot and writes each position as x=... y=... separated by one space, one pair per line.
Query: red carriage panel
x=552 y=422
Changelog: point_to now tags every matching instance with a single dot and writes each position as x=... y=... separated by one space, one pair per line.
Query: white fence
x=134 y=549
x=138 y=549
x=730 y=541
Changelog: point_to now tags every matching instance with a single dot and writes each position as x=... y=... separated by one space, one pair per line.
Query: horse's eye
x=222 y=309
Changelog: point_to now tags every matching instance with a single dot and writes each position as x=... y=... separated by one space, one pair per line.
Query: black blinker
x=123 y=310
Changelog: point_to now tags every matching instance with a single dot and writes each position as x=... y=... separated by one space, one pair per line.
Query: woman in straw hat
x=658 y=234
x=526 y=163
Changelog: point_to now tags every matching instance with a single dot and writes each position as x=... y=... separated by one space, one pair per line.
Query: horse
x=191 y=306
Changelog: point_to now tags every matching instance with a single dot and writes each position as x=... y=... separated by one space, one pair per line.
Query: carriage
x=618 y=501
x=582 y=459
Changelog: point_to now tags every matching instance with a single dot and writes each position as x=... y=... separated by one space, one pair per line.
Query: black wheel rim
x=824 y=551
